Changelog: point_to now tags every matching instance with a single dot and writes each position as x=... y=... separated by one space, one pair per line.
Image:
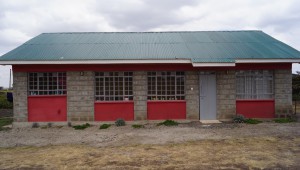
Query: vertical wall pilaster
x=80 y=92
x=20 y=96
x=140 y=95
x=226 y=95
x=283 y=91
x=192 y=96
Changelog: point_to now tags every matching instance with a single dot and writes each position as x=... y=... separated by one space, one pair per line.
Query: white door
x=208 y=95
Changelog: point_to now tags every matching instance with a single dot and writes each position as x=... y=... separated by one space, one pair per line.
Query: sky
x=22 y=20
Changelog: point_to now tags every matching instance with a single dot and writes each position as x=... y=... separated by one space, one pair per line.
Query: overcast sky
x=22 y=20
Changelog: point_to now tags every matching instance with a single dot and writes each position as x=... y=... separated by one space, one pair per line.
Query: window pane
x=53 y=83
x=113 y=86
x=165 y=85
x=254 y=84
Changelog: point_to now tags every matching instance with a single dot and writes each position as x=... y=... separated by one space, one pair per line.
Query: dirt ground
x=188 y=146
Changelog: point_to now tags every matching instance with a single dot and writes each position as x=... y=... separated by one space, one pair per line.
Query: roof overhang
x=213 y=64
x=267 y=61
x=165 y=61
x=177 y=61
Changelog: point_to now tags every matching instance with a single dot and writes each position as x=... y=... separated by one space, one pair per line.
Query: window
x=166 y=86
x=52 y=83
x=113 y=86
x=256 y=84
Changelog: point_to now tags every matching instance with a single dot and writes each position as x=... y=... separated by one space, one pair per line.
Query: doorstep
x=209 y=121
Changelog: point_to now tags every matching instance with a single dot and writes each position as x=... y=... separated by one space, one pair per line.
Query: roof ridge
x=149 y=32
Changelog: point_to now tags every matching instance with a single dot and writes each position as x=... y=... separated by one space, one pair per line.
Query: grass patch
x=4 y=122
x=81 y=127
x=137 y=126
x=283 y=120
x=253 y=121
x=104 y=126
x=168 y=123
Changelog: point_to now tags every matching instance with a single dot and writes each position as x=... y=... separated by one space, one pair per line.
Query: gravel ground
x=150 y=134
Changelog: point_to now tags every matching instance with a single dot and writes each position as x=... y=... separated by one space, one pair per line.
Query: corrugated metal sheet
x=206 y=46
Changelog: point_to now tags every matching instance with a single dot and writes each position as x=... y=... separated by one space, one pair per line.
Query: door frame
x=200 y=88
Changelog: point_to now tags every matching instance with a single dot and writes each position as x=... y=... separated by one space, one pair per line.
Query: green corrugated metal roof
x=198 y=46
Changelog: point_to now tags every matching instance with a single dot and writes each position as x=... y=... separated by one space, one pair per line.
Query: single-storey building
x=103 y=76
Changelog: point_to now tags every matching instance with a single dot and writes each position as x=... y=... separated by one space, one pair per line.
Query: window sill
x=129 y=101
x=41 y=96
x=256 y=100
x=166 y=101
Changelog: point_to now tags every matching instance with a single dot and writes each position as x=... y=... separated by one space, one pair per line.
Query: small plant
x=252 y=121
x=60 y=126
x=138 y=126
x=104 y=126
x=44 y=127
x=81 y=127
x=168 y=123
x=35 y=125
x=239 y=119
x=49 y=125
x=283 y=120
x=120 y=122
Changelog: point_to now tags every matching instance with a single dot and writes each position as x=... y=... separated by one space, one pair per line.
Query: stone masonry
x=192 y=96
x=80 y=100
x=226 y=99
x=283 y=92
x=20 y=96
x=140 y=95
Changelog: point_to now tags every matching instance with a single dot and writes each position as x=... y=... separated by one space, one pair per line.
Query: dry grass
x=235 y=153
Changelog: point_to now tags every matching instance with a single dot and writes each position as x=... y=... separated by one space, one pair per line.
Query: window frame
x=260 y=88
x=47 y=86
x=160 y=92
x=108 y=89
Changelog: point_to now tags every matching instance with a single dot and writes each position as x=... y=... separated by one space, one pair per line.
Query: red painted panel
x=111 y=111
x=256 y=108
x=263 y=66
x=162 y=110
x=101 y=67
x=145 y=67
x=47 y=108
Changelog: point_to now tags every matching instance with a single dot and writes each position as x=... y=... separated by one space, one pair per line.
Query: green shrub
x=104 y=126
x=168 y=123
x=252 y=121
x=35 y=125
x=4 y=104
x=138 y=126
x=49 y=125
x=283 y=120
x=81 y=127
x=120 y=122
x=69 y=124
x=239 y=118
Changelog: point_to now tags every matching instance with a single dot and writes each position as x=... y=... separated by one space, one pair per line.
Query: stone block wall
x=226 y=98
x=80 y=96
x=283 y=91
x=192 y=96
x=140 y=95
x=20 y=96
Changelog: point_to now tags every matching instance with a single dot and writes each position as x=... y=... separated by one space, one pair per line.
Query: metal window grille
x=166 y=86
x=113 y=86
x=49 y=83
x=258 y=84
